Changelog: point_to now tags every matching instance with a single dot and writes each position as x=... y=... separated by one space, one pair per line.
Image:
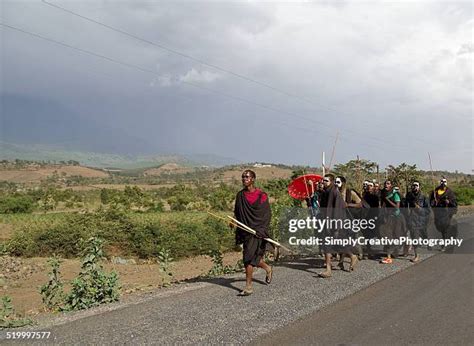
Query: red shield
x=304 y=186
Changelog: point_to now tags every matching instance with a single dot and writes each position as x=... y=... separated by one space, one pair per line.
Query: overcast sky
x=395 y=79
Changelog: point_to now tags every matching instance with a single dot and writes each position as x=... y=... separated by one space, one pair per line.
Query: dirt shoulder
x=21 y=278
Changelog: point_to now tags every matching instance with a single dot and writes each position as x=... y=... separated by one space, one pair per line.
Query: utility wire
x=237 y=98
x=216 y=67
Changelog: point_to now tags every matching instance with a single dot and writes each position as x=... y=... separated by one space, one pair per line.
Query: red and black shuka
x=253 y=210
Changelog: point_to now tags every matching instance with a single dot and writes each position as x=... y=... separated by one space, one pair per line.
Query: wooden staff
x=248 y=229
x=433 y=179
x=333 y=151
x=222 y=218
x=236 y=223
x=306 y=184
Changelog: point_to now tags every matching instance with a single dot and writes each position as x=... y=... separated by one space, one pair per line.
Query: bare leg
x=417 y=257
x=248 y=276
x=268 y=269
x=264 y=266
x=328 y=272
x=354 y=261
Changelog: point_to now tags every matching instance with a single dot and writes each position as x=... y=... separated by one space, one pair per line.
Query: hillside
x=33 y=173
x=40 y=152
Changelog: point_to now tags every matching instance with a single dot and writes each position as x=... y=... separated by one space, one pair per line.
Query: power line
x=184 y=55
x=219 y=68
x=237 y=98
x=133 y=66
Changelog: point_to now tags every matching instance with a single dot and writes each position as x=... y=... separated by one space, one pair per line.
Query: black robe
x=444 y=207
x=334 y=207
x=256 y=216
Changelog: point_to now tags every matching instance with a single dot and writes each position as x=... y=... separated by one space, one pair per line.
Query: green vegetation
x=464 y=195
x=134 y=234
x=49 y=218
x=93 y=286
x=52 y=293
x=8 y=318
x=164 y=261
x=16 y=204
x=218 y=267
x=90 y=288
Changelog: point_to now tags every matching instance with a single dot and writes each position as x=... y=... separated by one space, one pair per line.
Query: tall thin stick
x=243 y=226
x=306 y=184
x=248 y=229
x=333 y=151
x=324 y=163
x=432 y=179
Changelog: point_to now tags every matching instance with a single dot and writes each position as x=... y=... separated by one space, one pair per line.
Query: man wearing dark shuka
x=371 y=199
x=393 y=225
x=419 y=210
x=444 y=205
x=252 y=208
x=332 y=207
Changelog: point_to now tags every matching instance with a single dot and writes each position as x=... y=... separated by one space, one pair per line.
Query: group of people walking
x=396 y=216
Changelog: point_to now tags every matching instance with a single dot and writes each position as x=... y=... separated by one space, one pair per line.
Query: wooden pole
x=324 y=164
x=248 y=229
x=237 y=223
x=358 y=180
x=432 y=179
x=333 y=151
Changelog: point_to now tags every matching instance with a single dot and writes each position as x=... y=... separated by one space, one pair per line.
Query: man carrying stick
x=252 y=209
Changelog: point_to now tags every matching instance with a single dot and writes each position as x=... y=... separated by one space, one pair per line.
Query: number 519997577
x=28 y=335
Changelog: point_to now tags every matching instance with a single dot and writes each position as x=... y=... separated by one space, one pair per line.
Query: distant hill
x=32 y=121
x=36 y=174
x=39 y=152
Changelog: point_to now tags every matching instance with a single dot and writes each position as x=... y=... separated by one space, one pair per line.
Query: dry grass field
x=37 y=174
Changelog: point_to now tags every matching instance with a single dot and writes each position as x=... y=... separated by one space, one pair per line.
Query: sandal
x=268 y=278
x=245 y=292
x=325 y=275
x=354 y=261
x=386 y=260
x=415 y=260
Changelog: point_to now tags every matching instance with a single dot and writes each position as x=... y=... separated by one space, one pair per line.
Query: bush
x=93 y=286
x=464 y=195
x=61 y=238
x=16 y=204
x=52 y=293
x=8 y=318
x=183 y=234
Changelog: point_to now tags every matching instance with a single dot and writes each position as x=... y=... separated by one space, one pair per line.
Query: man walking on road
x=252 y=208
x=444 y=204
x=418 y=215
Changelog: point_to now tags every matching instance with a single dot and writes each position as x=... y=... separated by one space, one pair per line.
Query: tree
x=356 y=171
x=403 y=175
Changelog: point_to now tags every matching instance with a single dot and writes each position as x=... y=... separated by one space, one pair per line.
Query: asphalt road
x=430 y=302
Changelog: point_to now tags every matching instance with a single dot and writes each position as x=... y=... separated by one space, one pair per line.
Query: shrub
x=183 y=234
x=93 y=286
x=164 y=261
x=16 y=204
x=52 y=293
x=8 y=318
x=464 y=195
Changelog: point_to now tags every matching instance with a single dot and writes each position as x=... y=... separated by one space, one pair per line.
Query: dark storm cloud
x=386 y=76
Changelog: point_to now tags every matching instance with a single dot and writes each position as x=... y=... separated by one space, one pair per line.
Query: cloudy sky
x=252 y=80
